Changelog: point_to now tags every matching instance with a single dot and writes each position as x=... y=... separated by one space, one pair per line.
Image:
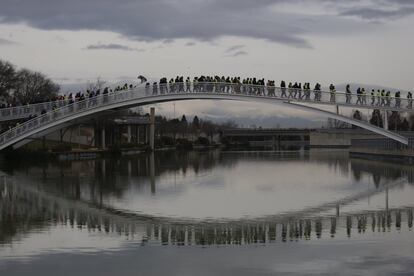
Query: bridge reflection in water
x=28 y=207
x=23 y=210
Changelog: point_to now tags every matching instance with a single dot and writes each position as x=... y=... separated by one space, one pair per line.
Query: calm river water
x=208 y=213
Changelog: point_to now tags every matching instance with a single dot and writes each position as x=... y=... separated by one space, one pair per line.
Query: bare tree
x=34 y=87
x=8 y=78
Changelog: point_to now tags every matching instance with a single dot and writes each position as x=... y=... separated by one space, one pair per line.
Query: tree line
x=24 y=86
x=397 y=121
x=192 y=130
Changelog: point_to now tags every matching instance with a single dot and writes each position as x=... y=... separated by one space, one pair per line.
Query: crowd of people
x=69 y=98
x=293 y=90
x=232 y=85
x=250 y=86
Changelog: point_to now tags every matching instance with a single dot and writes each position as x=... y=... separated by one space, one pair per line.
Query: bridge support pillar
x=386 y=120
x=138 y=134
x=152 y=129
x=152 y=172
x=129 y=134
x=103 y=145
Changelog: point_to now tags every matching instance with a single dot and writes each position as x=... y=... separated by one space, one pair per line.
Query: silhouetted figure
x=283 y=89
x=410 y=100
x=290 y=90
x=188 y=84
x=332 y=93
x=398 y=99
x=142 y=78
x=348 y=94
x=364 y=96
x=358 y=92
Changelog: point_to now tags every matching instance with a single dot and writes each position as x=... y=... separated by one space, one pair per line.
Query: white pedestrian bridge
x=50 y=116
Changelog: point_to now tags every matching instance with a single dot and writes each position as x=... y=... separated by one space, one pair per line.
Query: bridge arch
x=145 y=96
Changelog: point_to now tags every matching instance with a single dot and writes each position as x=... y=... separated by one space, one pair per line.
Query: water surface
x=244 y=211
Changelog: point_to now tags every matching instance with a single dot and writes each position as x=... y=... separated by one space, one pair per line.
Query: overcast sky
x=358 y=41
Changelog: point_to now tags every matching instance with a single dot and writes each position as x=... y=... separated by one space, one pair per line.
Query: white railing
x=202 y=88
x=25 y=111
x=291 y=94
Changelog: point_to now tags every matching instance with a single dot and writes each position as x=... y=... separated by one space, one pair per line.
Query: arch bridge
x=60 y=114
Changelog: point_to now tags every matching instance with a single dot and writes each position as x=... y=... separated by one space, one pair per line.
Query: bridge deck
x=212 y=91
x=291 y=95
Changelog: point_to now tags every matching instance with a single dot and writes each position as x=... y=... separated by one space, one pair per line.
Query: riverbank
x=377 y=154
x=83 y=153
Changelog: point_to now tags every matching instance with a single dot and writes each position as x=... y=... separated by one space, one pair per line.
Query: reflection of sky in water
x=228 y=185
x=247 y=189
x=49 y=252
x=60 y=239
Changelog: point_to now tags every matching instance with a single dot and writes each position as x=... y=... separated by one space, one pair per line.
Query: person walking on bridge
x=364 y=96
x=359 y=101
x=295 y=89
x=307 y=91
x=154 y=88
x=378 y=97
x=348 y=94
x=181 y=84
x=410 y=100
x=290 y=90
x=142 y=78
x=300 y=95
x=388 y=98
x=383 y=97
x=188 y=84
x=398 y=99
x=317 y=92
x=147 y=88
x=332 y=92
x=372 y=97
x=283 y=89
x=270 y=88
x=171 y=85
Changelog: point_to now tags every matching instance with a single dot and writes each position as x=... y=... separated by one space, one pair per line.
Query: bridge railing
x=25 y=111
x=290 y=94
x=68 y=110
x=205 y=88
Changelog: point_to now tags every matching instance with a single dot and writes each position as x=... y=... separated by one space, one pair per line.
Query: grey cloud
x=168 y=41
x=402 y=2
x=111 y=46
x=162 y=20
x=234 y=48
x=237 y=54
x=378 y=10
x=190 y=43
x=378 y=14
x=6 y=42
x=166 y=20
